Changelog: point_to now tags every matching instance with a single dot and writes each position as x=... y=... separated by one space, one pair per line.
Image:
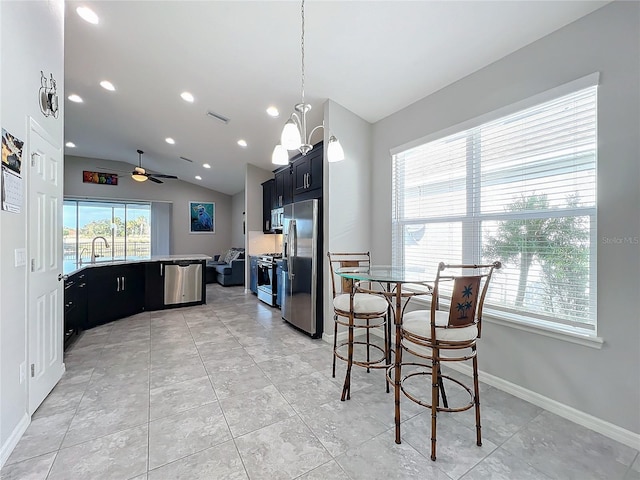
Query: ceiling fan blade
x=159 y=175
x=153 y=179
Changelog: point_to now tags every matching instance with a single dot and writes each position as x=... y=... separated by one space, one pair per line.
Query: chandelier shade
x=335 y=153
x=290 y=138
x=294 y=134
x=280 y=156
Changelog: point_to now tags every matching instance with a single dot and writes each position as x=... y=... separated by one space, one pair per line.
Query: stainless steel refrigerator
x=302 y=267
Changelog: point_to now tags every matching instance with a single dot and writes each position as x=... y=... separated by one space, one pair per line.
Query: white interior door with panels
x=45 y=286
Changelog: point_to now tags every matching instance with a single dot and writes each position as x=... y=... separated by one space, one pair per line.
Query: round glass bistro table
x=391 y=279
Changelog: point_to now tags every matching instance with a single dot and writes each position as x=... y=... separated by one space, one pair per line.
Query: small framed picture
x=202 y=217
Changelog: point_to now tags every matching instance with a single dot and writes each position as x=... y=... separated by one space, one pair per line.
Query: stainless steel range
x=267 y=278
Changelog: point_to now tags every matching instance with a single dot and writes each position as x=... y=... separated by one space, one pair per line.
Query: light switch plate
x=20 y=257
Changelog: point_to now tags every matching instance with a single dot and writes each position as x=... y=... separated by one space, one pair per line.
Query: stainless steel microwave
x=277 y=215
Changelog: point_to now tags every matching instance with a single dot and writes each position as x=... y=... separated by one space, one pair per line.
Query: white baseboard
x=598 y=425
x=13 y=439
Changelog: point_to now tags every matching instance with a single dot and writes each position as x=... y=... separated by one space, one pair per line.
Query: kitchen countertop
x=71 y=268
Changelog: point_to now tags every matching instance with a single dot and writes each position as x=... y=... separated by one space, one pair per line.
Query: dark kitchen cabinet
x=307 y=174
x=280 y=283
x=253 y=274
x=115 y=291
x=268 y=203
x=75 y=306
x=154 y=286
x=283 y=187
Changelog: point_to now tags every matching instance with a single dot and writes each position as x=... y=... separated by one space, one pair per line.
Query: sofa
x=227 y=269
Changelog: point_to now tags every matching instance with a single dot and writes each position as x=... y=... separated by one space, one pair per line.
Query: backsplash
x=261 y=243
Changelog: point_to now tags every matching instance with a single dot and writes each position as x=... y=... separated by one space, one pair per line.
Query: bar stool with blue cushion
x=428 y=334
x=356 y=310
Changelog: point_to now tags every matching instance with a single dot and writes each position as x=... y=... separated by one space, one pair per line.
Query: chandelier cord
x=302 y=48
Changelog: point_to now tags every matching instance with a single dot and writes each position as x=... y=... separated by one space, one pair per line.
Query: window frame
x=112 y=203
x=473 y=221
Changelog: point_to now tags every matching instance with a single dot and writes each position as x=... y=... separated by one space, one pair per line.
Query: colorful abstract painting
x=99 y=177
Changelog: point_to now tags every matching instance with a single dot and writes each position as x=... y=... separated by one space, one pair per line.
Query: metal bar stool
x=428 y=333
x=356 y=307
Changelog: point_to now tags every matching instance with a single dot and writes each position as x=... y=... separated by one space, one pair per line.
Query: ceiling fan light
x=335 y=153
x=280 y=156
x=290 y=138
x=139 y=177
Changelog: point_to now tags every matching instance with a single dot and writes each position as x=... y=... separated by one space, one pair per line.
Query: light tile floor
x=228 y=390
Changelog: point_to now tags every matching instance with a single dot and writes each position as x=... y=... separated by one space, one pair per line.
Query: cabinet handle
x=161 y=269
x=123 y=284
x=118 y=280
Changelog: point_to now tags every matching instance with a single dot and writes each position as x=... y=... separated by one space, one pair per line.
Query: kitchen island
x=100 y=292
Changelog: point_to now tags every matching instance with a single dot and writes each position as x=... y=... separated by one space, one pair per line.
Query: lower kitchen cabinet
x=253 y=274
x=115 y=291
x=75 y=306
x=280 y=283
x=154 y=286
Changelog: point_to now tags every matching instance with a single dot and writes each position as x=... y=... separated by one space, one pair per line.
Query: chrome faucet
x=84 y=249
x=93 y=247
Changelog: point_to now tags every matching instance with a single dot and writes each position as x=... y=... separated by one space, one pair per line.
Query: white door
x=46 y=290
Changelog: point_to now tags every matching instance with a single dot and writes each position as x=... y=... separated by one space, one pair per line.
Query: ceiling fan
x=139 y=174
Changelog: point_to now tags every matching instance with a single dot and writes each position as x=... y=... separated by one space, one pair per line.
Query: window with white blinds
x=520 y=189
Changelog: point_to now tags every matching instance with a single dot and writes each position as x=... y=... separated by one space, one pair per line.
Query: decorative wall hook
x=48 y=96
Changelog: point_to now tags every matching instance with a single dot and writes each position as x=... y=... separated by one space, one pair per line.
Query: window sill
x=531 y=326
x=540 y=329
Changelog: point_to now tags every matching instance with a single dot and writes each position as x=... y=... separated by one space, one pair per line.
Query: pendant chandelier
x=294 y=134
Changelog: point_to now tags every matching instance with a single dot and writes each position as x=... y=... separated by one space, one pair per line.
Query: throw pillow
x=234 y=255
x=227 y=255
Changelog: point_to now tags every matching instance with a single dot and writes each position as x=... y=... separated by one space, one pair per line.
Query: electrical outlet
x=23 y=372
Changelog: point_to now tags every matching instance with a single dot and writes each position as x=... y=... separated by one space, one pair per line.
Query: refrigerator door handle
x=293 y=247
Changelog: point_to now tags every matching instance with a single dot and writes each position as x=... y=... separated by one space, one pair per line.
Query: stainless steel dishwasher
x=182 y=282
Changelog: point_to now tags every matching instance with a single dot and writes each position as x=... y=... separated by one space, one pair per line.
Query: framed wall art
x=202 y=217
x=100 y=178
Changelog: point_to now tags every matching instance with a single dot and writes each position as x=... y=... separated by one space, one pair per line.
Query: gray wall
x=346 y=193
x=31 y=39
x=237 y=217
x=603 y=383
x=177 y=192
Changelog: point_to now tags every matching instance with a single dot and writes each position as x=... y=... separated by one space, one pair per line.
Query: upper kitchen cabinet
x=307 y=174
x=283 y=187
x=268 y=203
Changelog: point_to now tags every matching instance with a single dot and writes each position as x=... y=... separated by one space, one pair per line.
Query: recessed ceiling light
x=198 y=177
x=273 y=112
x=206 y=165
x=88 y=15
x=170 y=141
x=70 y=145
x=75 y=98
x=107 y=85
x=187 y=97
x=242 y=143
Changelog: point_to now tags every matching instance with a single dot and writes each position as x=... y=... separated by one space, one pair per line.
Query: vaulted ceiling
x=239 y=57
